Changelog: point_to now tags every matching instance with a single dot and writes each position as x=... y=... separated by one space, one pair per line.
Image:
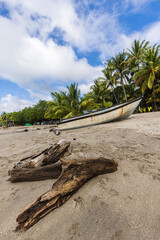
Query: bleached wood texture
x=46 y=157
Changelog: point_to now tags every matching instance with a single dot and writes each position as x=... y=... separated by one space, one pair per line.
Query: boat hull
x=114 y=113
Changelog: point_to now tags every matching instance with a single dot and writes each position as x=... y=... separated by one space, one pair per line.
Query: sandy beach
x=124 y=205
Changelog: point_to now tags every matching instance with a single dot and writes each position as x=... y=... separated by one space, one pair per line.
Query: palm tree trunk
x=154 y=97
x=123 y=88
x=102 y=102
x=114 y=93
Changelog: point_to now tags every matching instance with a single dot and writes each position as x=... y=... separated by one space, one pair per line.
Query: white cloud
x=78 y=30
x=150 y=33
x=11 y=103
x=136 y=4
x=85 y=31
x=30 y=59
x=26 y=60
x=36 y=96
x=33 y=61
x=84 y=88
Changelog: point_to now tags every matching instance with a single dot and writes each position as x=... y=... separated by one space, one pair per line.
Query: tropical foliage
x=135 y=55
x=125 y=76
x=148 y=74
x=31 y=115
x=67 y=104
x=98 y=95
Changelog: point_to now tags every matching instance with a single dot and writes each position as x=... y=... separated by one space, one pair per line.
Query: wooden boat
x=116 y=112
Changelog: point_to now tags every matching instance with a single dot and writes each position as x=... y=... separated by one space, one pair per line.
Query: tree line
x=128 y=75
x=30 y=115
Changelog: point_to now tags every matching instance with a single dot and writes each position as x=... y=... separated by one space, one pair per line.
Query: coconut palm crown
x=120 y=67
x=150 y=69
x=67 y=104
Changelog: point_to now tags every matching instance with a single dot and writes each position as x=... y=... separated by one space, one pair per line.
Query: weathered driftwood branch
x=74 y=175
x=48 y=156
x=51 y=171
x=55 y=130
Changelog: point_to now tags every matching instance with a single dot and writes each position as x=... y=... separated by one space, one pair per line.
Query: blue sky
x=48 y=44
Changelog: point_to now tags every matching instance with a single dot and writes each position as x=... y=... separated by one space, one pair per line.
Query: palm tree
x=149 y=71
x=98 y=94
x=136 y=53
x=109 y=77
x=151 y=96
x=120 y=67
x=56 y=107
x=72 y=99
x=67 y=104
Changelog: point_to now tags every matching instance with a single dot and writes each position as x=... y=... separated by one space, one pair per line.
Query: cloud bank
x=42 y=41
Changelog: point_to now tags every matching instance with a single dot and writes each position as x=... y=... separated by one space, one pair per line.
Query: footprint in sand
x=125 y=174
x=149 y=170
x=95 y=199
x=14 y=191
x=102 y=184
x=117 y=235
x=79 y=201
x=113 y=192
x=104 y=204
x=72 y=231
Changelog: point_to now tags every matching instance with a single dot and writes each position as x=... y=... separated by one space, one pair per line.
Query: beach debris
x=48 y=156
x=26 y=130
x=53 y=164
x=51 y=171
x=74 y=175
x=55 y=130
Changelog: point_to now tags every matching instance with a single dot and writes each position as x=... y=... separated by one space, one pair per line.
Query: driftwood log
x=74 y=175
x=48 y=156
x=51 y=171
x=41 y=166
